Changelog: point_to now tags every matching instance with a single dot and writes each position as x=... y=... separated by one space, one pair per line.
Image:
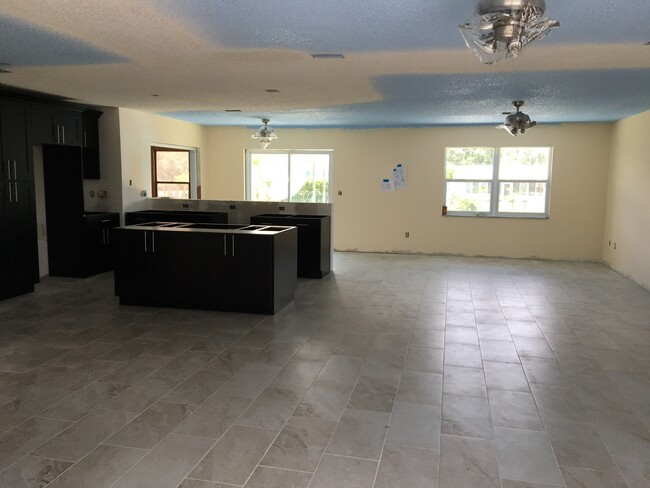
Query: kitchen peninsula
x=228 y=267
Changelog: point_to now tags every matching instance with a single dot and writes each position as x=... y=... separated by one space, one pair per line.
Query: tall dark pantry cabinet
x=17 y=212
x=28 y=120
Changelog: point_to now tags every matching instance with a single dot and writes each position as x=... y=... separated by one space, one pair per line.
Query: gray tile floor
x=395 y=371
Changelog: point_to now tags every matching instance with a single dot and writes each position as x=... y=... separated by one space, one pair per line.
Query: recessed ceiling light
x=272 y=90
x=327 y=56
x=233 y=110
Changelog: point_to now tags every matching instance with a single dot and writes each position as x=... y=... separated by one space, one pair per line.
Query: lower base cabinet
x=228 y=271
x=314 y=244
x=17 y=238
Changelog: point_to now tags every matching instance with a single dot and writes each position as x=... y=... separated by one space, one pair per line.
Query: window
x=172 y=173
x=503 y=182
x=288 y=176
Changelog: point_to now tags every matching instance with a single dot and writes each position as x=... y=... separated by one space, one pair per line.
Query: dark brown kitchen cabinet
x=90 y=144
x=98 y=248
x=79 y=243
x=13 y=129
x=17 y=238
x=54 y=125
x=235 y=271
x=17 y=212
x=314 y=242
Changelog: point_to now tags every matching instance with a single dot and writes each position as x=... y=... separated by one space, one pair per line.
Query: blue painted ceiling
x=205 y=56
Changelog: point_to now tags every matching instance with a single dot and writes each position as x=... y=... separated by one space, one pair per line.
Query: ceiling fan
x=503 y=28
x=265 y=134
x=517 y=122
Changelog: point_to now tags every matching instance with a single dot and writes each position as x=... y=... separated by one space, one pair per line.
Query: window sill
x=499 y=216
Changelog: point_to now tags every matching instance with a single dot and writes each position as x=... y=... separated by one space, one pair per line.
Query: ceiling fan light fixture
x=517 y=122
x=265 y=134
x=502 y=29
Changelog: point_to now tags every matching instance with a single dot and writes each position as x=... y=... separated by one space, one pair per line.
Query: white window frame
x=289 y=152
x=495 y=185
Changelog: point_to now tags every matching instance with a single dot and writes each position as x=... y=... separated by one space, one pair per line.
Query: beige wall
x=627 y=223
x=368 y=220
x=138 y=132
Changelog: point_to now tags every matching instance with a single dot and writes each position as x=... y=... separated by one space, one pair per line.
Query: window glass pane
x=174 y=190
x=473 y=196
x=269 y=177
x=469 y=163
x=524 y=163
x=172 y=166
x=522 y=197
x=310 y=178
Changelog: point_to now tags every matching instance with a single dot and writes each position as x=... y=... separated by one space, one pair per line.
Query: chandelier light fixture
x=265 y=134
x=503 y=28
x=517 y=122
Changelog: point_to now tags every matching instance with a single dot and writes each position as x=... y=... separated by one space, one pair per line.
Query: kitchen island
x=228 y=267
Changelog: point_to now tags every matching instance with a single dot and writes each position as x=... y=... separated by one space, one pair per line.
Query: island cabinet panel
x=314 y=242
x=213 y=270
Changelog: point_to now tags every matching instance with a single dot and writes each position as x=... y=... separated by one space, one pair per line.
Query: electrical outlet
x=186 y=205
x=92 y=194
x=614 y=246
x=406 y=234
x=340 y=193
x=280 y=208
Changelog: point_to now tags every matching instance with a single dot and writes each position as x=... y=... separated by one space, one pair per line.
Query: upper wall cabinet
x=53 y=125
x=90 y=144
x=13 y=132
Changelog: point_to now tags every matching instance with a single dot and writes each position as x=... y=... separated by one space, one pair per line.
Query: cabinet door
x=4 y=239
x=40 y=126
x=20 y=235
x=250 y=270
x=90 y=129
x=132 y=279
x=68 y=127
x=110 y=223
x=189 y=266
x=14 y=141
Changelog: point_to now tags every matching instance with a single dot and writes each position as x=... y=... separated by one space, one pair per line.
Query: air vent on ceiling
x=327 y=56
x=272 y=90
x=233 y=110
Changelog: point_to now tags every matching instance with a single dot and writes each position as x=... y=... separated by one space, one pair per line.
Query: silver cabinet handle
x=103 y=237
x=153 y=241
x=145 y=241
x=58 y=134
x=63 y=130
x=233 y=245
x=224 y=244
x=10 y=200
x=15 y=172
x=16 y=190
x=8 y=169
x=85 y=139
x=108 y=236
